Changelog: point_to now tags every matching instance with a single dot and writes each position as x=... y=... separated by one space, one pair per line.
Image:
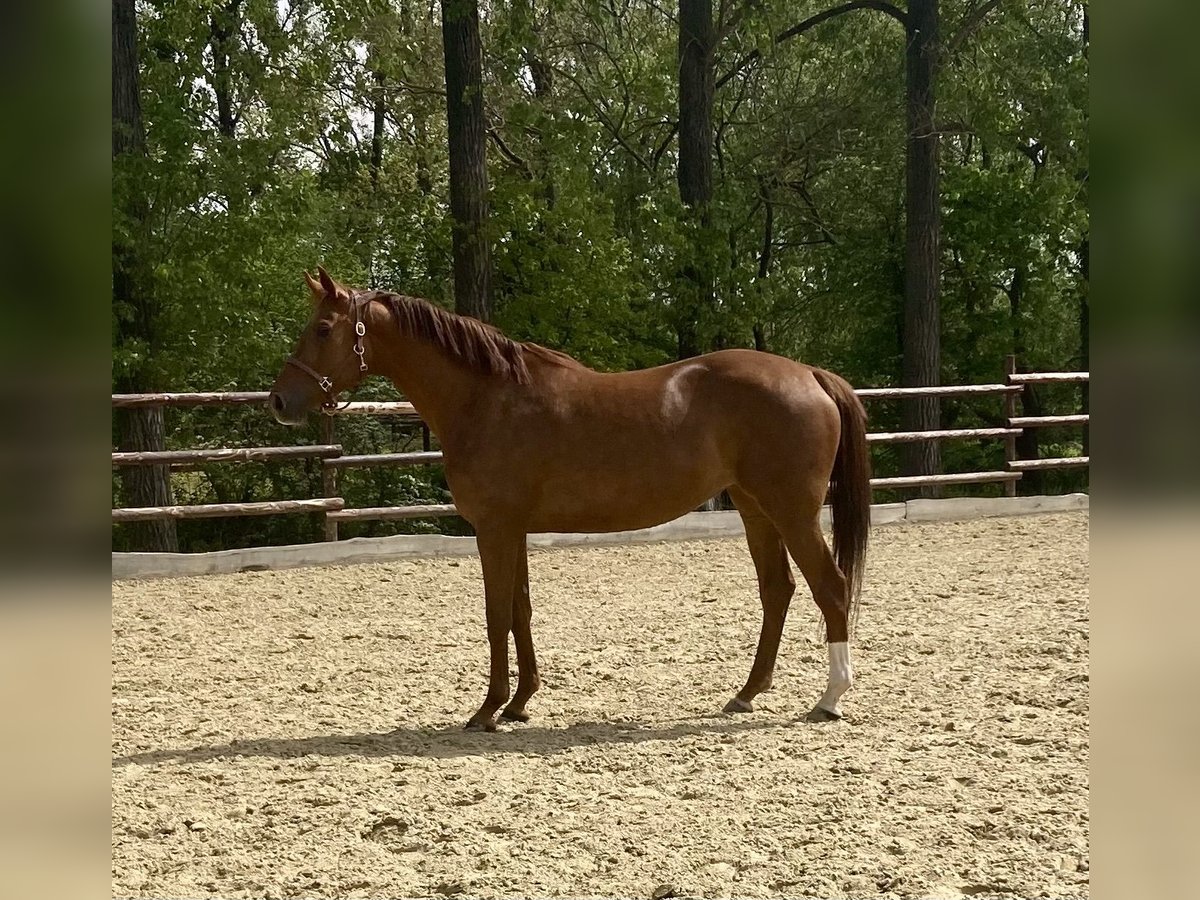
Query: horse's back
x=719 y=396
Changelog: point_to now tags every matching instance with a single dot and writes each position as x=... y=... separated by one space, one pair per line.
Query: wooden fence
x=333 y=460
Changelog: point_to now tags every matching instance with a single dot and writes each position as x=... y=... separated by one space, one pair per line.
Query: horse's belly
x=600 y=504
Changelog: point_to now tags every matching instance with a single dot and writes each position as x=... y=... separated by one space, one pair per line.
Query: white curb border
x=691 y=527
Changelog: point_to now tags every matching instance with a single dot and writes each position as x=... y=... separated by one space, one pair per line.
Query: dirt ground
x=299 y=733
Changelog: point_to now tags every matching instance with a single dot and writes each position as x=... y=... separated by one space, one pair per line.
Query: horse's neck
x=439 y=386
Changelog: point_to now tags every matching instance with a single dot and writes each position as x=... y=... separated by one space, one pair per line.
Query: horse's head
x=328 y=358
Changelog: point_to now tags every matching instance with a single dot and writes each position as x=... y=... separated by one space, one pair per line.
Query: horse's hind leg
x=804 y=540
x=775 y=588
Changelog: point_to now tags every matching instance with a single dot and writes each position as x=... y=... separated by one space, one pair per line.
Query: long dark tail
x=849 y=487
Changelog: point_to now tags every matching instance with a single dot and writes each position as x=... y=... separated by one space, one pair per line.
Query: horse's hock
x=298 y=732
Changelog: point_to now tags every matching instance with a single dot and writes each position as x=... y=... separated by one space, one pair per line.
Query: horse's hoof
x=476 y=725
x=738 y=705
x=515 y=715
x=820 y=714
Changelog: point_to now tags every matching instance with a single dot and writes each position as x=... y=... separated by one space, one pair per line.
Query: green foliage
x=590 y=239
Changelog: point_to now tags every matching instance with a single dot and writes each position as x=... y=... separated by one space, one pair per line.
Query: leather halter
x=324 y=382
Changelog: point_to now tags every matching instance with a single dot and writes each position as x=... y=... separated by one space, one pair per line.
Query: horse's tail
x=849 y=487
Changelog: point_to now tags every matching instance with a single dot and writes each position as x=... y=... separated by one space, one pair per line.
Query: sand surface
x=298 y=733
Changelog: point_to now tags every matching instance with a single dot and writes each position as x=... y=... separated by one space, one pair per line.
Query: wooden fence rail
x=899 y=393
x=334 y=460
x=232 y=398
x=385 y=513
x=1065 y=462
x=213 y=510
x=1047 y=377
x=218 y=398
x=371 y=408
x=1020 y=422
x=895 y=437
x=957 y=478
x=385 y=459
x=229 y=454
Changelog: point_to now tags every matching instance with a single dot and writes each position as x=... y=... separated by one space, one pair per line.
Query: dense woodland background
x=895 y=192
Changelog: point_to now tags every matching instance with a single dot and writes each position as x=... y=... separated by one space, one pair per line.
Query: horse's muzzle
x=279 y=409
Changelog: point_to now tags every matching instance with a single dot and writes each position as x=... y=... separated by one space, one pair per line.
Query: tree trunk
x=420 y=128
x=922 y=325
x=424 y=176
x=224 y=32
x=1028 y=442
x=1085 y=329
x=764 y=257
x=140 y=429
x=696 y=37
x=1085 y=274
x=542 y=73
x=223 y=27
x=436 y=274
x=696 y=87
x=368 y=245
x=768 y=242
x=380 y=111
x=468 y=158
x=128 y=135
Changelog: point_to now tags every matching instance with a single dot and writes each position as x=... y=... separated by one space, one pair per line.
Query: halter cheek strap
x=324 y=382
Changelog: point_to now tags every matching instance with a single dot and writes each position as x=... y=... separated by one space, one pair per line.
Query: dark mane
x=481 y=347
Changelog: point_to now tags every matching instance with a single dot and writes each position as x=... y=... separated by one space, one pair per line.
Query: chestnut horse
x=534 y=441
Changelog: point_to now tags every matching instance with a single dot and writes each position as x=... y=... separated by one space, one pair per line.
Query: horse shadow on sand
x=451 y=741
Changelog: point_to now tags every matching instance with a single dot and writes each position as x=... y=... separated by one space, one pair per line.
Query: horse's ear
x=333 y=290
x=314 y=287
x=331 y=286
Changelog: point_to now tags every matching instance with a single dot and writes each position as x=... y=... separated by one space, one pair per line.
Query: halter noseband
x=324 y=382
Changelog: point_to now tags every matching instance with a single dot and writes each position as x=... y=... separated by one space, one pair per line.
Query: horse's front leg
x=499 y=552
x=528 y=681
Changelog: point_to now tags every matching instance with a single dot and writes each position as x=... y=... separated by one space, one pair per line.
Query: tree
x=135 y=308
x=467 y=136
x=278 y=135
x=920 y=329
x=922 y=216
x=1085 y=270
x=920 y=332
x=697 y=38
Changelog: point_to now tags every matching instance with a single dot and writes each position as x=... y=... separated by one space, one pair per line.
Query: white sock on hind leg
x=841 y=677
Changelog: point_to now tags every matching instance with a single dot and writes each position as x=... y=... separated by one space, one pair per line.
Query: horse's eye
x=323 y=329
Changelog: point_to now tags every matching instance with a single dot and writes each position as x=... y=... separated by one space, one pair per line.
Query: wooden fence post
x=328 y=478
x=1010 y=410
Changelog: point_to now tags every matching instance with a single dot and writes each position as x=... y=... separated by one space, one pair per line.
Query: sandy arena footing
x=299 y=732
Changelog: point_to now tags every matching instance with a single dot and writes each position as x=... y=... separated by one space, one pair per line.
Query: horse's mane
x=482 y=347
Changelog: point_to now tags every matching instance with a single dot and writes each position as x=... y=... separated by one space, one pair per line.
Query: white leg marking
x=841 y=677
